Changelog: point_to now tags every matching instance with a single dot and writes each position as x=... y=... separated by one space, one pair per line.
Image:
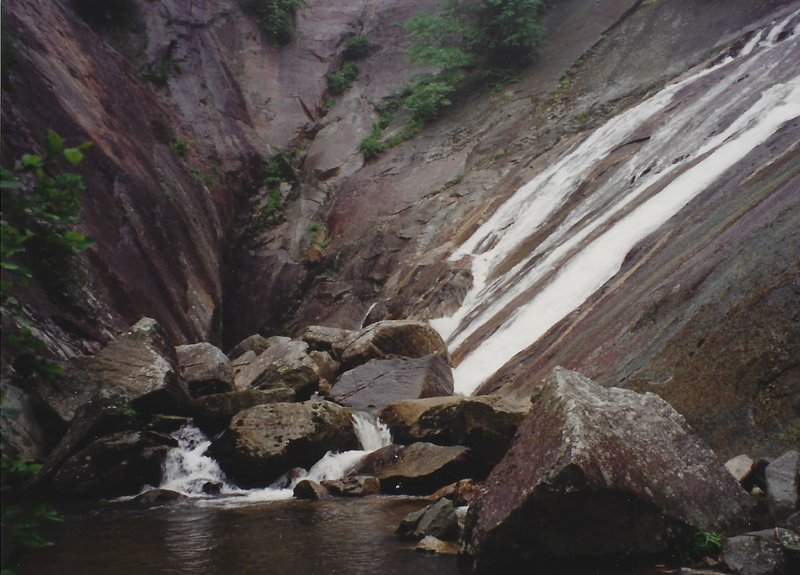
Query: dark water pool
x=347 y=536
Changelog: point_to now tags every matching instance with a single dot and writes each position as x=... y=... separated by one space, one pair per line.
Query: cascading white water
x=187 y=469
x=697 y=128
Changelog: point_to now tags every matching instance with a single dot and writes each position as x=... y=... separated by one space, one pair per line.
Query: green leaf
x=73 y=155
x=31 y=161
x=54 y=144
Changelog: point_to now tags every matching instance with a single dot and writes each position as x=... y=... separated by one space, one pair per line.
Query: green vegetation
x=180 y=147
x=340 y=80
x=319 y=236
x=282 y=168
x=472 y=43
x=275 y=17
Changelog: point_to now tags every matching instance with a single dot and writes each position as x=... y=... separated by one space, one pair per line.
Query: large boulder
x=380 y=382
x=204 y=368
x=213 y=413
x=485 y=424
x=417 y=469
x=284 y=364
x=783 y=485
x=116 y=465
x=264 y=441
x=390 y=338
x=141 y=361
x=597 y=472
x=322 y=338
x=768 y=552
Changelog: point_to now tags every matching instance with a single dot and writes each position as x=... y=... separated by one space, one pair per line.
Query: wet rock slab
x=598 y=472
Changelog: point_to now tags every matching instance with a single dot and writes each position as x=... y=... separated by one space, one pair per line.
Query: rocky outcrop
x=140 y=361
x=385 y=339
x=119 y=464
x=380 y=382
x=484 y=424
x=598 y=472
x=417 y=469
x=204 y=368
x=263 y=442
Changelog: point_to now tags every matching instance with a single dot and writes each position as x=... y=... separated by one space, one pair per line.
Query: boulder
x=484 y=424
x=322 y=338
x=740 y=467
x=155 y=498
x=213 y=413
x=262 y=442
x=204 y=368
x=107 y=413
x=353 y=486
x=327 y=368
x=437 y=519
x=390 y=338
x=768 y=552
x=120 y=464
x=308 y=489
x=597 y=473
x=783 y=485
x=257 y=344
x=380 y=382
x=284 y=364
x=416 y=469
x=141 y=361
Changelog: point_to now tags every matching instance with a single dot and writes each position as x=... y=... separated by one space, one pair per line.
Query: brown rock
x=598 y=472
x=485 y=424
x=308 y=489
x=462 y=492
x=256 y=343
x=417 y=469
x=284 y=364
x=264 y=441
x=382 y=381
x=433 y=545
x=391 y=338
x=353 y=486
x=214 y=412
x=322 y=338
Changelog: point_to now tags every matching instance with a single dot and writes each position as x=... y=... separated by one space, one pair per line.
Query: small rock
x=321 y=338
x=461 y=492
x=155 y=498
x=438 y=519
x=354 y=486
x=308 y=489
x=739 y=467
x=433 y=545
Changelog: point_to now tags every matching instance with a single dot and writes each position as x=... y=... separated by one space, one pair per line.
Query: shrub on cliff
x=276 y=17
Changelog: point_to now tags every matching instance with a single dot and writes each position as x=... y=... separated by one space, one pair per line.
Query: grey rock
x=213 y=413
x=284 y=364
x=322 y=338
x=353 y=486
x=600 y=472
x=740 y=466
x=761 y=552
x=783 y=484
x=438 y=519
x=204 y=368
x=22 y=436
x=256 y=343
x=380 y=382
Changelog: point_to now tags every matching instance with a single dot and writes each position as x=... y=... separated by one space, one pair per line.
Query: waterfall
x=188 y=470
x=688 y=134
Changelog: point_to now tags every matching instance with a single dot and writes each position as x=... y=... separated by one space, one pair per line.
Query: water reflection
x=354 y=537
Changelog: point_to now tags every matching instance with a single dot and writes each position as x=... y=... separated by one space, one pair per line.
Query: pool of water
x=341 y=536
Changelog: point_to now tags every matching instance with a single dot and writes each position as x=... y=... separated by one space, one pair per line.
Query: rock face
x=484 y=424
x=418 y=469
x=380 y=382
x=140 y=361
x=384 y=339
x=265 y=441
x=205 y=368
x=120 y=464
x=598 y=472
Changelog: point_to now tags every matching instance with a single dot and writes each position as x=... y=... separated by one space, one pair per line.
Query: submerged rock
x=156 y=498
x=391 y=338
x=598 y=472
x=484 y=424
x=262 y=442
x=380 y=382
x=205 y=368
x=417 y=469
